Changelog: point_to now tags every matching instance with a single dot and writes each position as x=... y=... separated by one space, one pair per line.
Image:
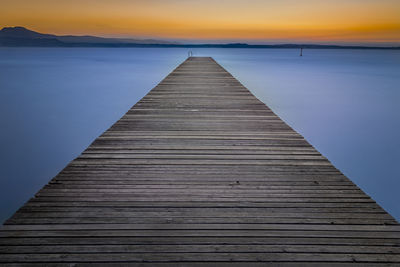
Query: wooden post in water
x=200 y=171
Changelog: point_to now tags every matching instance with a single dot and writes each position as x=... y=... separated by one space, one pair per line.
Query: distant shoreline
x=23 y=37
x=288 y=46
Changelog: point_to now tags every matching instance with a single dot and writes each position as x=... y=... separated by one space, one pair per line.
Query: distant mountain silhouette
x=20 y=36
x=21 y=32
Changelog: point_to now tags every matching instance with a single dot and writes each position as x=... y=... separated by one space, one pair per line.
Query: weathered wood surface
x=200 y=171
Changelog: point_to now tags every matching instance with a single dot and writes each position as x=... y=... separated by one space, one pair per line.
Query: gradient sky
x=254 y=21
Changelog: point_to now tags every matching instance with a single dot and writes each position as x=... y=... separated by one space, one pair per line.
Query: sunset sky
x=253 y=21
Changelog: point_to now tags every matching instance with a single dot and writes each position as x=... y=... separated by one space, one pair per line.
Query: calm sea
x=55 y=101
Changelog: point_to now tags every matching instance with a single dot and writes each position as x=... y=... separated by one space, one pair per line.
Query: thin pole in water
x=301 y=51
x=190 y=53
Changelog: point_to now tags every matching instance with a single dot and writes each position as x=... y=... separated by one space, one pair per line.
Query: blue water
x=55 y=101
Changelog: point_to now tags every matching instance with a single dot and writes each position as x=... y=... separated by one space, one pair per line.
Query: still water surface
x=55 y=101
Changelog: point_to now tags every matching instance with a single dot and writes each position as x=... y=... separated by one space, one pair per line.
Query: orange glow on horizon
x=363 y=21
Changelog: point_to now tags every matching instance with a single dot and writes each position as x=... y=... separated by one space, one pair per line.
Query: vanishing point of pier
x=200 y=171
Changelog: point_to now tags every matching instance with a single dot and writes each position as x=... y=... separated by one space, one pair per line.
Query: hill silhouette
x=21 y=36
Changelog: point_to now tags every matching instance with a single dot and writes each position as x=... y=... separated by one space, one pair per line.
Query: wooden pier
x=200 y=171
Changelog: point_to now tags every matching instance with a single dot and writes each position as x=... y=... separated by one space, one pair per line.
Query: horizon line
x=227 y=41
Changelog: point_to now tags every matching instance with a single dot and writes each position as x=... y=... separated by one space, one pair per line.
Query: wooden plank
x=188 y=257
x=204 y=220
x=196 y=264
x=200 y=249
x=200 y=172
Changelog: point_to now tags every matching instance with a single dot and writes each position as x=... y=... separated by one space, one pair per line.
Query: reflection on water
x=55 y=101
